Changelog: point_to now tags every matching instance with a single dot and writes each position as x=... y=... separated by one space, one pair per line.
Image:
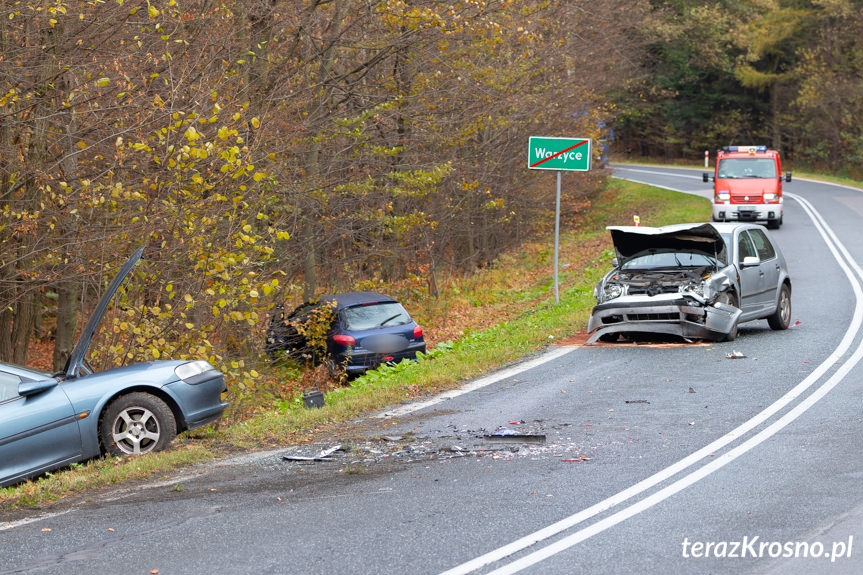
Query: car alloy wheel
x=137 y=423
x=781 y=318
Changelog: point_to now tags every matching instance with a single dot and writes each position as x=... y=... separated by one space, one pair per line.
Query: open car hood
x=79 y=352
x=633 y=241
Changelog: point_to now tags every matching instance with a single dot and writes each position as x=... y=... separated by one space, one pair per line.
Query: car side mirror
x=706 y=176
x=750 y=261
x=28 y=388
x=787 y=176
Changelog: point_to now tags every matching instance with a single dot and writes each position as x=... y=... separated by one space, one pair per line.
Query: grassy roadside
x=505 y=312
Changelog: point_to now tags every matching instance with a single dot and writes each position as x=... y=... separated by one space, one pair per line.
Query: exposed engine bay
x=653 y=282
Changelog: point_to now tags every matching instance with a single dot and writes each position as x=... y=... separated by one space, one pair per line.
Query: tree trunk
x=22 y=329
x=67 y=323
x=6 y=316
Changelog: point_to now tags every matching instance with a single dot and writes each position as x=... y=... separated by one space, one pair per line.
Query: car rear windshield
x=365 y=317
x=668 y=260
x=731 y=168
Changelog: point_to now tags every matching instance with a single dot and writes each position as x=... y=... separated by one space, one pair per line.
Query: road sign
x=559 y=154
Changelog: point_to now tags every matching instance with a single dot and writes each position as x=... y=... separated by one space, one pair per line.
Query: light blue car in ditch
x=49 y=421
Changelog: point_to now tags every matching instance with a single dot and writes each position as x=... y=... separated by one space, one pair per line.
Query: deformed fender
x=722 y=317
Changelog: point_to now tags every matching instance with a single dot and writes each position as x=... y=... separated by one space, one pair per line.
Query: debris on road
x=638 y=401
x=735 y=355
x=510 y=436
x=324 y=455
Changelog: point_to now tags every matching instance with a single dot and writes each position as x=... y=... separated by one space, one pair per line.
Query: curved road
x=624 y=459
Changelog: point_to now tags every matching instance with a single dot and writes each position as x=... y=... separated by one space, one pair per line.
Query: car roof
x=353 y=298
x=24 y=371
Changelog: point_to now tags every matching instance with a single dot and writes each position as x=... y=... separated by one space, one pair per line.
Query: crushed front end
x=673 y=314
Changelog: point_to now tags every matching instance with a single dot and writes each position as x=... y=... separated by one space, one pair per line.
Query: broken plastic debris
x=322 y=456
x=330 y=451
x=508 y=435
x=577 y=459
x=392 y=437
x=637 y=401
x=735 y=355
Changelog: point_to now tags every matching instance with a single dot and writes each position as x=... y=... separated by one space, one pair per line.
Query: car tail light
x=344 y=339
x=418 y=331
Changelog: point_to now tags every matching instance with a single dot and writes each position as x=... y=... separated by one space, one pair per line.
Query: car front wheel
x=781 y=318
x=729 y=298
x=135 y=424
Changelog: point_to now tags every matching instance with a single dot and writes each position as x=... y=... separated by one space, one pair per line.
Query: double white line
x=855 y=276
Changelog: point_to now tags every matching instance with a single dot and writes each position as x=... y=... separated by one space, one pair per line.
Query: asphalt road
x=627 y=459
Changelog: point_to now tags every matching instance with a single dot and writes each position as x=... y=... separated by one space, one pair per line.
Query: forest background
x=271 y=151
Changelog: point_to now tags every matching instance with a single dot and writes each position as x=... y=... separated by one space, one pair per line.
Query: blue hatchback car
x=49 y=421
x=365 y=330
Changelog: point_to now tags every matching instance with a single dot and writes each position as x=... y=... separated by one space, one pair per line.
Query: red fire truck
x=748 y=185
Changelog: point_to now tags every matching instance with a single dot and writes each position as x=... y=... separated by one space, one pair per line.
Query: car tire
x=135 y=424
x=781 y=318
x=729 y=298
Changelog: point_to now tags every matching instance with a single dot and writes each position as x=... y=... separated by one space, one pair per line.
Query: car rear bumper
x=665 y=314
x=359 y=361
x=201 y=400
x=746 y=212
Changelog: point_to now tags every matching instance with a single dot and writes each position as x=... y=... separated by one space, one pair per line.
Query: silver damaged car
x=696 y=281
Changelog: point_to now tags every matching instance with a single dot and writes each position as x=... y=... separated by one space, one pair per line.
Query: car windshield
x=733 y=168
x=669 y=260
x=365 y=317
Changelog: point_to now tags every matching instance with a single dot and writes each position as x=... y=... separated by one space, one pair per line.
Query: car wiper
x=389 y=319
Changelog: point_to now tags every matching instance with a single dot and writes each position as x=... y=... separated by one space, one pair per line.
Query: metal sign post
x=558 y=154
x=556 y=237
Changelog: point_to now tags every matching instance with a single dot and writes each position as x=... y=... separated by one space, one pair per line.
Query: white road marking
x=640 y=171
x=549 y=355
x=838 y=251
x=42 y=517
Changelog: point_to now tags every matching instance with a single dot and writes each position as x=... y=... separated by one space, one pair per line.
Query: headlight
x=189 y=370
x=723 y=196
x=611 y=291
x=770 y=197
x=696 y=288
